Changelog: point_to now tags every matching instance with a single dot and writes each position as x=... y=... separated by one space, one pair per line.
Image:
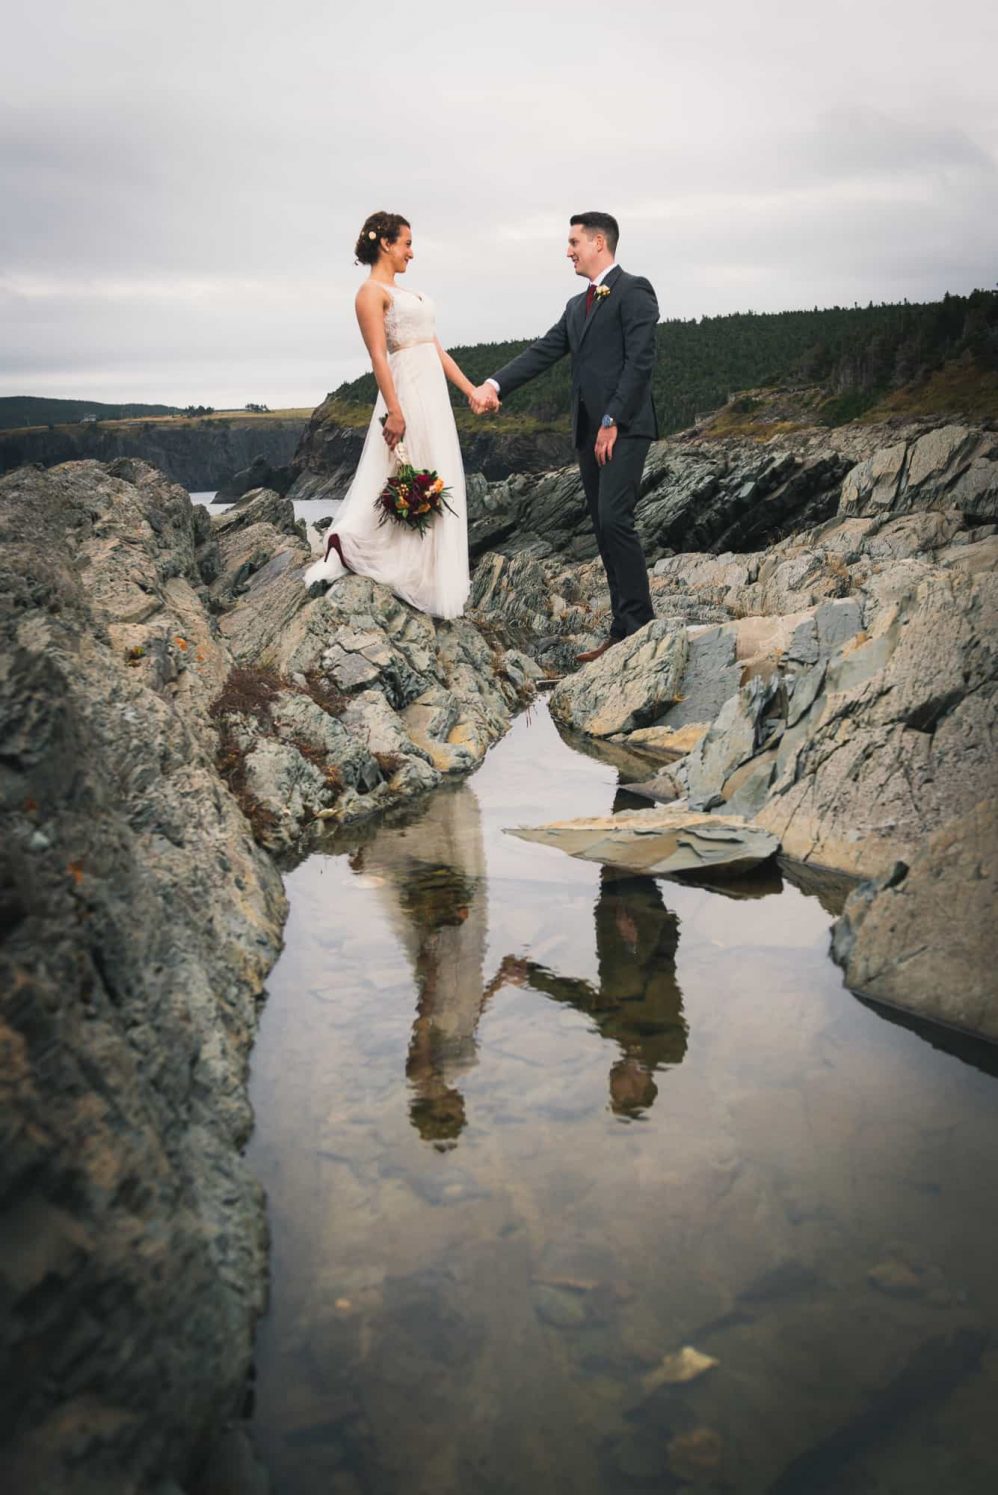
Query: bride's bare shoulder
x=371 y=293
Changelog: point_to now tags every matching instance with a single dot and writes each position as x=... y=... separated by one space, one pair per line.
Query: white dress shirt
x=597 y=282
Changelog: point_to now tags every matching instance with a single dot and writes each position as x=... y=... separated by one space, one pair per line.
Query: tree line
x=857 y=354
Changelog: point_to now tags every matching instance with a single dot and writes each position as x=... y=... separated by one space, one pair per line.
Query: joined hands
x=484 y=400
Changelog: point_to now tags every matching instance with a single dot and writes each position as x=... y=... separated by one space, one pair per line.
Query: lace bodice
x=409 y=319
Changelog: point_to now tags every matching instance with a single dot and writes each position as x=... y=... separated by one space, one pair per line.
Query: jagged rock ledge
x=171 y=698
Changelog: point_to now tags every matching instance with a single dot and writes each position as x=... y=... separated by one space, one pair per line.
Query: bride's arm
x=454 y=374
x=370 y=306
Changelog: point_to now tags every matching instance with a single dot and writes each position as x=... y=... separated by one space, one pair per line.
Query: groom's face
x=583 y=251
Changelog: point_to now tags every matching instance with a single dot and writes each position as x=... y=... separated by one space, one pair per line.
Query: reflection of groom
x=637 y=1003
x=610 y=332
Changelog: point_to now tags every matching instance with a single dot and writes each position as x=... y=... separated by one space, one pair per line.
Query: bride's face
x=400 y=253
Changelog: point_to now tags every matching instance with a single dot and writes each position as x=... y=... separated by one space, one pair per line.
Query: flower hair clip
x=372 y=234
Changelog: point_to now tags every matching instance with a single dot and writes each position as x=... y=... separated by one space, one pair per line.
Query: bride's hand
x=394 y=429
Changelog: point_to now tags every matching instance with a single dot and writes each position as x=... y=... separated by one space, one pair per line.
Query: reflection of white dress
x=432 y=572
x=447 y=957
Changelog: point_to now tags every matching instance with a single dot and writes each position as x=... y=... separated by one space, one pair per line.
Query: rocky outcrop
x=629 y=687
x=259 y=474
x=839 y=690
x=953 y=468
x=712 y=496
x=728 y=495
x=139 y=921
x=347 y=703
x=199 y=454
x=924 y=936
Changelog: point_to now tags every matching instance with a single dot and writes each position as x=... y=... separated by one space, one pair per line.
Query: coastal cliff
x=199 y=454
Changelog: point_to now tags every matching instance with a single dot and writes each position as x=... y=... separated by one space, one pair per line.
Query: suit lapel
x=580 y=318
x=610 y=281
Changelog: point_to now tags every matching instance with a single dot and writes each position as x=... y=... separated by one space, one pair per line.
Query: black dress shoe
x=596 y=653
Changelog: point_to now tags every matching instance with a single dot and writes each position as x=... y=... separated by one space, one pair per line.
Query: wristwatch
x=607 y=422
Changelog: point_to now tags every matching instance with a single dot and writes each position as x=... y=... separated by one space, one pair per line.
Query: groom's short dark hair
x=601 y=223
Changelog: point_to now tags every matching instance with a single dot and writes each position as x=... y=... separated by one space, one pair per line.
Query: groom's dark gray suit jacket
x=613 y=354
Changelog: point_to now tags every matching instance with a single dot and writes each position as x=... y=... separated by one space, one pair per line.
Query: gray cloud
x=182 y=188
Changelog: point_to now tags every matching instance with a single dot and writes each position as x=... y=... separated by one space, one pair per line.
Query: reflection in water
x=637 y=1003
x=806 y=1203
x=431 y=877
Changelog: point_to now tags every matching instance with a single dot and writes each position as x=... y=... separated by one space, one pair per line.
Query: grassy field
x=958 y=389
x=223 y=418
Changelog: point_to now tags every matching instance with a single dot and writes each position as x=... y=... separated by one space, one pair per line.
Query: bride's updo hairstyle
x=379 y=226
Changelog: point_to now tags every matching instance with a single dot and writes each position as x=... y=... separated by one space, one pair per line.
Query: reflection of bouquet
x=412 y=496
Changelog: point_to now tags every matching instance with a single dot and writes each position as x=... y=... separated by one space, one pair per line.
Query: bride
x=411 y=369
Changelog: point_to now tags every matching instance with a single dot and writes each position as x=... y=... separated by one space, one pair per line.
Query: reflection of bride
x=434 y=889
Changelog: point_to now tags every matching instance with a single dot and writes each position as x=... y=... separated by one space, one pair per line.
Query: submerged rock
x=678 y=1368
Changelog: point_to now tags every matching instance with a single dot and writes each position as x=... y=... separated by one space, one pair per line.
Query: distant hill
x=858 y=355
x=17 y=411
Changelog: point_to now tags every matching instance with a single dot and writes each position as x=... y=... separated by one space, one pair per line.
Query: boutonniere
x=602 y=292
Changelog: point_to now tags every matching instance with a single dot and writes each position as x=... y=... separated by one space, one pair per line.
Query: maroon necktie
x=590 y=298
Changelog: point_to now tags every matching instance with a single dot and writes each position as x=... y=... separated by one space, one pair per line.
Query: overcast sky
x=182 y=184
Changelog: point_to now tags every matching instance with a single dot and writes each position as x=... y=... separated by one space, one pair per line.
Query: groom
x=610 y=332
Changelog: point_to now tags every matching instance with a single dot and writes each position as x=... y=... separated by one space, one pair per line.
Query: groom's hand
x=606 y=440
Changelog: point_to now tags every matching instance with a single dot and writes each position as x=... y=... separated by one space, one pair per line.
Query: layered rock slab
x=663 y=841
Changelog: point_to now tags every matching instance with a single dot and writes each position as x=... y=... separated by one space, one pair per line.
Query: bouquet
x=412 y=496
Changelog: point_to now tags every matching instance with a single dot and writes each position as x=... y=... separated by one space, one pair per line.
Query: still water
x=529 y=1130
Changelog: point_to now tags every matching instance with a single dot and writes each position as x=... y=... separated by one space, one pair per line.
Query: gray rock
x=663 y=841
x=629 y=686
x=741 y=727
x=923 y=937
x=901 y=734
x=954 y=467
x=711 y=676
x=137 y=943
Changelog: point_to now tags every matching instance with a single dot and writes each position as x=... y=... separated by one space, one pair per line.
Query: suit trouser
x=612 y=494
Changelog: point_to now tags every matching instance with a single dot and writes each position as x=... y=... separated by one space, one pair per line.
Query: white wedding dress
x=430 y=572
